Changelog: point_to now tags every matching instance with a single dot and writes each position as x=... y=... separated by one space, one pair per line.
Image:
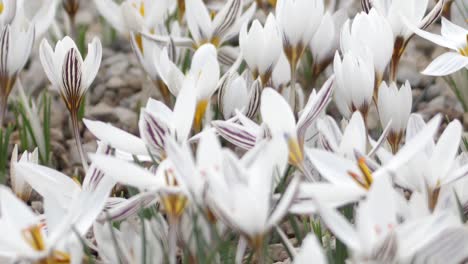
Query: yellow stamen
x=199 y=114
x=174 y=204
x=365 y=170
x=464 y=51
x=2 y=7
x=142 y=9
x=33 y=236
x=139 y=42
x=295 y=153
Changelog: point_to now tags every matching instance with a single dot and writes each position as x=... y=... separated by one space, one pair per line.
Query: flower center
x=464 y=51
x=33 y=236
x=2 y=7
x=141 y=8
x=365 y=179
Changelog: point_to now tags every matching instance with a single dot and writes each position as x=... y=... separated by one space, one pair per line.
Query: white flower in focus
x=261 y=47
x=395 y=105
x=18 y=184
x=369 y=34
x=453 y=37
x=68 y=72
x=354 y=86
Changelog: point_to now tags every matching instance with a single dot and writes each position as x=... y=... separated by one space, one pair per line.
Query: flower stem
x=3 y=109
x=76 y=134
x=173 y=221
x=292 y=91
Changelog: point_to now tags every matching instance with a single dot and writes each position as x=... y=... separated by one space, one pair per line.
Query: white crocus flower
x=69 y=210
x=16 y=41
x=245 y=133
x=237 y=94
x=133 y=15
x=40 y=13
x=395 y=11
x=298 y=20
x=372 y=238
x=26 y=236
x=453 y=37
x=148 y=54
x=379 y=235
x=356 y=176
x=353 y=138
x=204 y=73
x=326 y=40
x=222 y=27
x=394 y=106
x=18 y=184
x=434 y=168
x=71 y=76
x=157 y=121
x=261 y=47
x=279 y=118
x=369 y=34
x=241 y=196
x=354 y=86
x=126 y=244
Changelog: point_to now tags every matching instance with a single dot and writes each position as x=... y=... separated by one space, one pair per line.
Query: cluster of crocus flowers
x=396 y=11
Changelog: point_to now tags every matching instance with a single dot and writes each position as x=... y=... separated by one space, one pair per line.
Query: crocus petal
x=446 y=64
x=112 y=13
x=116 y=138
x=198 y=20
x=310 y=249
x=444 y=152
x=277 y=113
x=184 y=110
x=235 y=133
x=412 y=147
x=437 y=39
x=333 y=167
x=226 y=18
x=126 y=172
x=92 y=62
x=340 y=227
x=46 y=54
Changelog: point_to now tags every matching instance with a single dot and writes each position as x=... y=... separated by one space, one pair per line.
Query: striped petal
x=226 y=18
x=235 y=133
x=72 y=73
